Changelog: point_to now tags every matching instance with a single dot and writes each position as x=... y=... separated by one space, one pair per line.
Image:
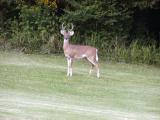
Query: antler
x=72 y=26
x=63 y=27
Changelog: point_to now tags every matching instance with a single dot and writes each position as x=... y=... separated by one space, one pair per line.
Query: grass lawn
x=35 y=87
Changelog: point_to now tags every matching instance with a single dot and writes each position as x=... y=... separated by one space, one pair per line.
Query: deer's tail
x=96 y=55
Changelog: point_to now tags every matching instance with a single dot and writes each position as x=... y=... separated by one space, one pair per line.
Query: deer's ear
x=62 y=32
x=71 y=33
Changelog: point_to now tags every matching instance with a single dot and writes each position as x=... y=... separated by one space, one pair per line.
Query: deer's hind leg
x=91 y=69
x=95 y=64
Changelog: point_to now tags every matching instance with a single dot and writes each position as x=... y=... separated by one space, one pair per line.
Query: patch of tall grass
x=135 y=53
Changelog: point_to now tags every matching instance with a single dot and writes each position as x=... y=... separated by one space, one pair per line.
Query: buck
x=73 y=52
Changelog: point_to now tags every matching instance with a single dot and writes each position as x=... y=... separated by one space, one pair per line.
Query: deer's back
x=79 y=51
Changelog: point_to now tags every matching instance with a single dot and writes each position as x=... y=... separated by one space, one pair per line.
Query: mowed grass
x=35 y=87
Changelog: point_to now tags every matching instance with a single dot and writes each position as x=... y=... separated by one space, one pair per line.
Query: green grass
x=35 y=87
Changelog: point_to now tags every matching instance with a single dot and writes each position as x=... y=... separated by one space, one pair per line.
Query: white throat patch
x=66 y=40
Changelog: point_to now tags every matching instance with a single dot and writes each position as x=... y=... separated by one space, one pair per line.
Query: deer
x=73 y=52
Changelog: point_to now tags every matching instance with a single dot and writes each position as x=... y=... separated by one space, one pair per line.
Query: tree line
x=122 y=30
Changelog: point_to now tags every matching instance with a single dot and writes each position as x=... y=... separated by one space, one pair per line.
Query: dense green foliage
x=109 y=25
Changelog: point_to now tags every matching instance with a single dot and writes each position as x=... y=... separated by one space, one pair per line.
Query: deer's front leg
x=69 y=69
x=68 y=64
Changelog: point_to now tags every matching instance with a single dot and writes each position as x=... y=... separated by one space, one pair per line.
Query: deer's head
x=67 y=31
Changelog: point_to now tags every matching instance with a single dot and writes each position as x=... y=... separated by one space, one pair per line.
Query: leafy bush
x=34 y=28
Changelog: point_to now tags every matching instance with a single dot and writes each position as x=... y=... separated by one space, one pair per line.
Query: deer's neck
x=65 y=43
